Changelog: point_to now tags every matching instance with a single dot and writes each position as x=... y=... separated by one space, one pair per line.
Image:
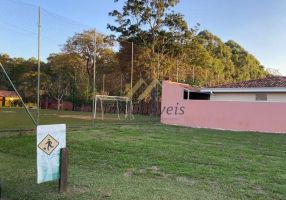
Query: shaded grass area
x=153 y=161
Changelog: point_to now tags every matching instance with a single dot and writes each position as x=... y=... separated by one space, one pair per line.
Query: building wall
x=277 y=97
x=1 y=101
x=228 y=115
x=247 y=97
x=8 y=102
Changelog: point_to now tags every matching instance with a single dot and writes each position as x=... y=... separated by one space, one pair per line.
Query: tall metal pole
x=103 y=83
x=177 y=70
x=206 y=78
x=93 y=92
x=193 y=74
x=157 y=85
x=121 y=84
x=131 y=82
x=39 y=66
x=132 y=59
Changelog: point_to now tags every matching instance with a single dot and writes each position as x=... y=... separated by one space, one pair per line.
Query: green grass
x=17 y=118
x=152 y=161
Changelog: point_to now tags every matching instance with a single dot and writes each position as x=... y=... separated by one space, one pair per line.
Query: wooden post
x=63 y=170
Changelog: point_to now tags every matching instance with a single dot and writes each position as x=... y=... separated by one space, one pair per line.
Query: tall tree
x=67 y=77
x=151 y=24
x=247 y=66
x=83 y=44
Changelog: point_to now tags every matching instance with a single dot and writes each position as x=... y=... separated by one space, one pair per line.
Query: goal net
x=113 y=107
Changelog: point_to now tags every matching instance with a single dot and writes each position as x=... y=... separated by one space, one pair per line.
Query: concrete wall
x=247 y=97
x=277 y=97
x=228 y=115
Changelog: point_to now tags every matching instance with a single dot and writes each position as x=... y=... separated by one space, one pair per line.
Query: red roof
x=5 y=93
x=271 y=82
x=186 y=86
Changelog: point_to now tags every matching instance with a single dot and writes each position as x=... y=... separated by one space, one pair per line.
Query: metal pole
x=102 y=111
x=94 y=116
x=206 y=78
x=121 y=82
x=158 y=67
x=103 y=82
x=39 y=66
x=131 y=82
x=117 y=106
x=177 y=70
x=157 y=84
x=126 y=104
x=193 y=74
x=94 y=66
x=14 y=88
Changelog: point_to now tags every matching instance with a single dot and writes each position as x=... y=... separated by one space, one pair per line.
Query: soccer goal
x=113 y=106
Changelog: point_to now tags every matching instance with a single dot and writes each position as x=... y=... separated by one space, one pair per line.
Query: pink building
x=245 y=106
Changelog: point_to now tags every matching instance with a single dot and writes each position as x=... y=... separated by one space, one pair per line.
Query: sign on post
x=50 y=140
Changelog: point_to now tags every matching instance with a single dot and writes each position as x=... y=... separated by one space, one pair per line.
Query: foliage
x=169 y=47
x=164 y=46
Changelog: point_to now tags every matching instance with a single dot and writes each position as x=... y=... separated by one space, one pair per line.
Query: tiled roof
x=271 y=82
x=186 y=86
x=5 y=93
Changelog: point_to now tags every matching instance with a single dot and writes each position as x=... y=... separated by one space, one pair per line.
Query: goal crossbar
x=112 y=98
x=117 y=99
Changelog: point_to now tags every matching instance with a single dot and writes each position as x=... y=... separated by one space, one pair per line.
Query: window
x=199 y=96
x=261 y=97
x=186 y=94
x=196 y=95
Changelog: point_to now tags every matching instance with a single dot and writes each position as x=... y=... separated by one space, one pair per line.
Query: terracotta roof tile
x=274 y=81
x=5 y=93
x=186 y=86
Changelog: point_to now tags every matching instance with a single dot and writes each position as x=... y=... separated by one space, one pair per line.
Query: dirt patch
x=105 y=193
x=129 y=173
x=84 y=117
x=185 y=180
x=156 y=171
x=77 y=189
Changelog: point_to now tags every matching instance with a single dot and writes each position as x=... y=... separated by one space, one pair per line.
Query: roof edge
x=226 y=90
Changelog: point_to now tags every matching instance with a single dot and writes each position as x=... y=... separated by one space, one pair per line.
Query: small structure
x=7 y=98
x=258 y=105
x=271 y=89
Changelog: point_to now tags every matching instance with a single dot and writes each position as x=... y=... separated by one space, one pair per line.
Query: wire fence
x=71 y=55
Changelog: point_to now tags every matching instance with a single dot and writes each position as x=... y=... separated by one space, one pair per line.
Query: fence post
x=63 y=181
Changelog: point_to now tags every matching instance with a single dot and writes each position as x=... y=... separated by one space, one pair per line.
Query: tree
x=6 y=62
x=247 y=66
x=142 y=19
x=152 y=25
x=66 y=77
x=218 y=50
x=83 y=45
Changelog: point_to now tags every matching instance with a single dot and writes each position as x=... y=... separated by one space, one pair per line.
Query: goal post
x=115 y=101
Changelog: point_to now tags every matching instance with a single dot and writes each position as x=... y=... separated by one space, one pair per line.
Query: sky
x=257 y=25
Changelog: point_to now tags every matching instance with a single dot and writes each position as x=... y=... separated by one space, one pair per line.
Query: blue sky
x=258 y=25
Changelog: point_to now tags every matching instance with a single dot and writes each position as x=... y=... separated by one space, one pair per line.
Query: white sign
x=50 y=140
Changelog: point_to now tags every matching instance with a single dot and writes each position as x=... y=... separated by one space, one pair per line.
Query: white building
x=271 y=89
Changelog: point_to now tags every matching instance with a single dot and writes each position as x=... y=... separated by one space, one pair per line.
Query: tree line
x=163 y=45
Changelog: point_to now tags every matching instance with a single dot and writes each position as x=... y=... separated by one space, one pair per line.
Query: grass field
x=148 y=160
x=17 y=118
